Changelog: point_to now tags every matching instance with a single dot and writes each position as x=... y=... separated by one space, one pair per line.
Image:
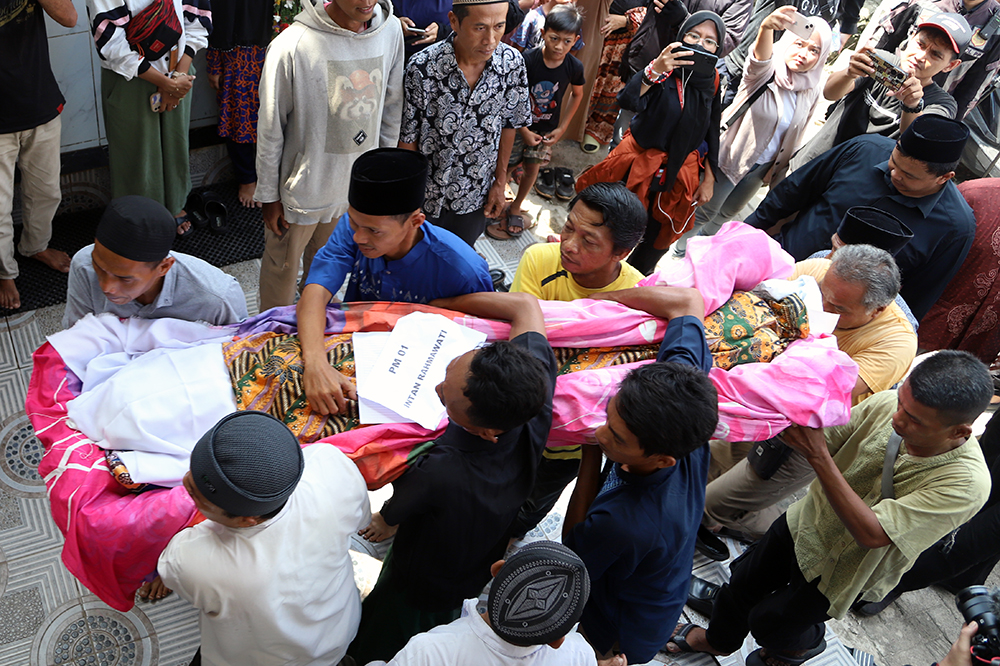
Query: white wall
x=78 y=71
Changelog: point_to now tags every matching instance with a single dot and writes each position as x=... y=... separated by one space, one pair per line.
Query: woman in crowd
x=676 y=126
x=146 y=49
x=235 y=57
x=782 y=83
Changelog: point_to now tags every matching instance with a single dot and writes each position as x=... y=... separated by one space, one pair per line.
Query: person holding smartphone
x=781 y=84
x=678 y=111
x=870 y=99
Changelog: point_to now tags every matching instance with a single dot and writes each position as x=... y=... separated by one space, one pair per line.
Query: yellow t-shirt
x=541 y=262
x=883 y=348
x=538 y=264
x=933 y=496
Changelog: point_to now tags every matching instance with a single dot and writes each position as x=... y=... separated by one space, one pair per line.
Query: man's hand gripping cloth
x=114 y=537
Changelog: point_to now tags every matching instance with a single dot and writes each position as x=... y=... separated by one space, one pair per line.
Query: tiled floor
x=48 y=618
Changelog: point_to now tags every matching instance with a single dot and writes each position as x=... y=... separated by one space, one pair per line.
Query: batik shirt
x=458 y=128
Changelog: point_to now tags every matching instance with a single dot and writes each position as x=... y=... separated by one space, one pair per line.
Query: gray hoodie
x=327 y=95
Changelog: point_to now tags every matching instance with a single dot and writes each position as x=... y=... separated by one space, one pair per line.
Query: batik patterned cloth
x=239 y=71
x=749 y=329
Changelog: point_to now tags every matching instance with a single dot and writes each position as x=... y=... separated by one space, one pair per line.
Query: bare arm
x=61 y=11
x=588 y=483
x=779 y=19
x=857 y=517
x=841 y=82
x=664 y=302
x=521 y=310
x=325 y=386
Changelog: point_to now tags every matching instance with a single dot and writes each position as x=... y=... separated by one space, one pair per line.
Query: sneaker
x=545 y=184
x=565 y=184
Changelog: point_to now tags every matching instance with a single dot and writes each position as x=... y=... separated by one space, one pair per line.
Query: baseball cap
x=953 y=25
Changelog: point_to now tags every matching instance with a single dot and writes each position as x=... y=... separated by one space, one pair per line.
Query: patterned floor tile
x=44 y=572
x=32 y=531
x=175 y=625
x=26 y=335
x=81 y=633
x=20 y=450
x=8 y=358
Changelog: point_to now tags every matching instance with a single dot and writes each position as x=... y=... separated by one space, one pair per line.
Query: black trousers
x=244 y=158
x=645 y=256
x=767 y=596
x=467 y=226
x=551 y=479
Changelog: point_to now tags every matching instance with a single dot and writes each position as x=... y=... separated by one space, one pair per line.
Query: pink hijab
x=797 y=81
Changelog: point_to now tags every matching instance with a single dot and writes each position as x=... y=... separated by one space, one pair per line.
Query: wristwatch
x=915 y=109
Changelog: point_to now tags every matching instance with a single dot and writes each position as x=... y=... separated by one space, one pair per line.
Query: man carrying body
x=606 y=221
x=331 y=90
x=634 y=526
x=854 y=535
x=859 y=284
x=465 y=98
x=269 y=569
x=869 y=107
x=130 y=271
x=470 y=483
x=392 y=254
x=30 y=129
x=910 y=179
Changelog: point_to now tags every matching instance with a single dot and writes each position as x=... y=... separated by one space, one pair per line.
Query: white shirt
x=282 y=592
x=469 y=640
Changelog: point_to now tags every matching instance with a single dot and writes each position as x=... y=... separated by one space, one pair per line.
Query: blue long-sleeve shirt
x=638 y=537
x=856 y=173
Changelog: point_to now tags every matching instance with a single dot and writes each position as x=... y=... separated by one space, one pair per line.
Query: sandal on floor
x=216 y=213
x=774 y=658
x=498 y=231
x=701 y=595
x=181 y=220
x=523 y=222
x=680 y=639
x=590 y=144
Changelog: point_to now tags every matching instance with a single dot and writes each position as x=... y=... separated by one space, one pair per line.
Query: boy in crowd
x=529 y=34
x=634 y=525
x=472 y=480
x=130 y=271
x=536 y=598
x=269 y=568
x=391 y=253
x=551 y=71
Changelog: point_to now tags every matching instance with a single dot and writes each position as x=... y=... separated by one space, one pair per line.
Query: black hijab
x=699 y=94
x=241 y=23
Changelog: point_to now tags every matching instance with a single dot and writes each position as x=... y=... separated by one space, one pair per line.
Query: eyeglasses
x=695 y=38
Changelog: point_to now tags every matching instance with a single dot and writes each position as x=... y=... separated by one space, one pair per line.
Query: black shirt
x=856 y=173
x=455 y=504
x=31 y=94
x=546 y=87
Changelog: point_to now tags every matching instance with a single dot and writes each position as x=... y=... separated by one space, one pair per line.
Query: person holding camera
x=881 y=92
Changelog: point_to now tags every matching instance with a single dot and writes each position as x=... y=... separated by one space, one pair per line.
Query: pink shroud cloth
x=113 y=537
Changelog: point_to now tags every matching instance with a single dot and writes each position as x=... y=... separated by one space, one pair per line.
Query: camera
x=977 y=603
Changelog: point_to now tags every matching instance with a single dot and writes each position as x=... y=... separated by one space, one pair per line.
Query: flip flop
x=498 y=231
x=755 y=658
x=680 y=639
x=181 y=220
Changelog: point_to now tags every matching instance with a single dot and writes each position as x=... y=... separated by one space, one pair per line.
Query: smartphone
x=154 y=102
x=886 y=73
x=704 y=62
x=802 y=27
x=419 y=31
